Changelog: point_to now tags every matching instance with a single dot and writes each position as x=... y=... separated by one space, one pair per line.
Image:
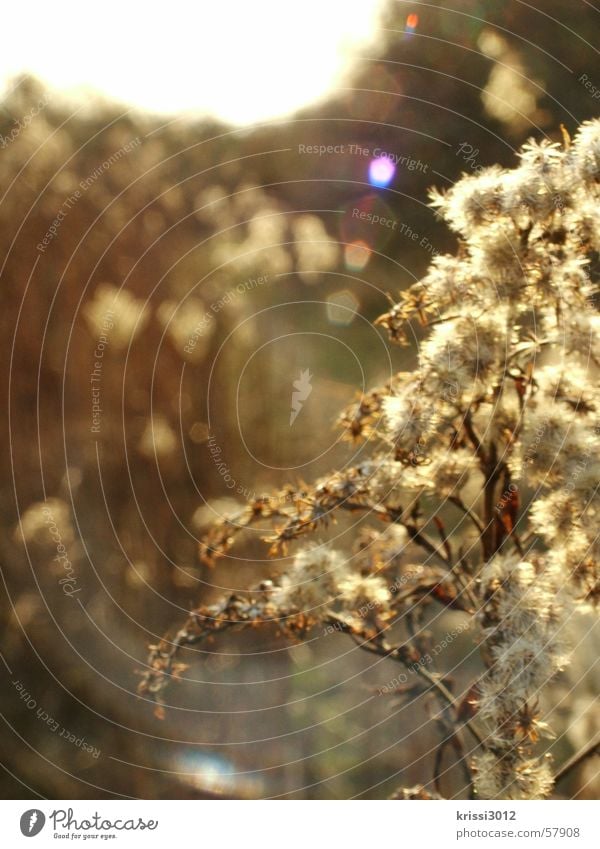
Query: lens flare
x=381 y=171
x=356 y=256
x=412 y=22
x=342 y=307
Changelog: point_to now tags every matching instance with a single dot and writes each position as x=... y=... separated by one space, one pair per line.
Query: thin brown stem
x=451 y=739
x=474 y=438
x=458 y=502
x=577 y=760
x=416 y=535
x=400 y=653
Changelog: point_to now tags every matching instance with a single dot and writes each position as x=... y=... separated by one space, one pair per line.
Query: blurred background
x=187 y=215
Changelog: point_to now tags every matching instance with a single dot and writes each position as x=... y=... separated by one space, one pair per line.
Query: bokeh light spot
x=356 y=256
x=412 y=22
x=381 y=171
x=342 y=307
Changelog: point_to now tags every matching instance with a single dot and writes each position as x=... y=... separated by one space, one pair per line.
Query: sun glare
x=238 y=61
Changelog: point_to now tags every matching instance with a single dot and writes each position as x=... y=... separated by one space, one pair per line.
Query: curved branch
x=577 y=760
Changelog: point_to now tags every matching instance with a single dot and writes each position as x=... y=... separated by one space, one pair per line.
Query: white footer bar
x=298 y=824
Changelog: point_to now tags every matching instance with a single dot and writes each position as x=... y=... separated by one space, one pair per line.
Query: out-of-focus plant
x=497 y=422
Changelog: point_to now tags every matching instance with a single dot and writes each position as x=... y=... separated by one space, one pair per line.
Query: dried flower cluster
x=496 y=426
x=523 y=616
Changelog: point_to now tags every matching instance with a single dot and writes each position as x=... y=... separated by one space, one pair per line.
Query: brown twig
x=458 y=502
x=400 y=653
x=474 y=437
x=451 y=739
x=577 y=760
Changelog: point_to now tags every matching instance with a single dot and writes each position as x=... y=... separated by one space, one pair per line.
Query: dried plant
x=497 y=422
